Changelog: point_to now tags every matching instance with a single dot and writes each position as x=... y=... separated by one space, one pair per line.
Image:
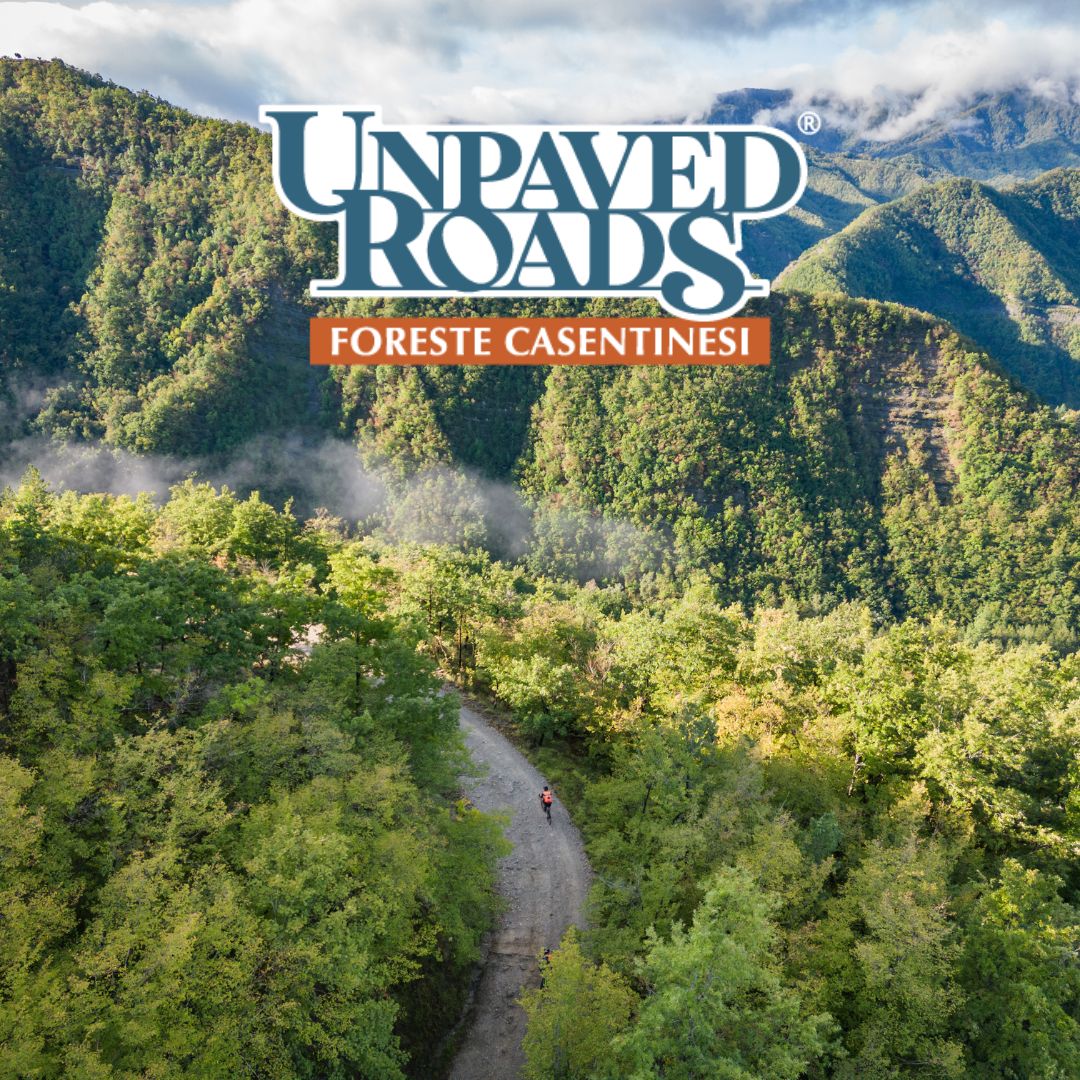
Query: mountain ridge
x=1000 y=139
x=999 y=265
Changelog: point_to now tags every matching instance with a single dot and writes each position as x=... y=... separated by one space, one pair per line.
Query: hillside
x=997 y=137
x=151 y=285
x=794 y=482
x=1001 y=266
x=153 y=290
x=799 y=481
x=839 y=187
x=797 y=648
x=879 y=457
x=227 y=850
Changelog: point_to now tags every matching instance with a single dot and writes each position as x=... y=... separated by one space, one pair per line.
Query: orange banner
x=539 y=341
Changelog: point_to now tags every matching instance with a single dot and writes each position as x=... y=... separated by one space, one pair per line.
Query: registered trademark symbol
x=809 y=123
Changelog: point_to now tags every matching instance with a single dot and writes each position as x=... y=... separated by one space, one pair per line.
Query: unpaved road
x=544 y=880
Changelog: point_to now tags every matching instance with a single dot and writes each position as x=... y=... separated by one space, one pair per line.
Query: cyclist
x=546 y=799
x=545 y=964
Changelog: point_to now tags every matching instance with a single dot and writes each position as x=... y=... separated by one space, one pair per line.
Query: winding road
x=544 y=881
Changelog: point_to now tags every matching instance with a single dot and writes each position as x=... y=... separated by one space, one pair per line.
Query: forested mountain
x=149 y=277
x=878 y=456
x=998 y=139
x=839 y=188
x=799 y=481
x=153 y=290
x=1000 y=265
x=823 y=847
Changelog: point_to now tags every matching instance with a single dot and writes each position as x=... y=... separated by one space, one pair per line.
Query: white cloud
x=423 y=60
x=597 y=60
x=927 y=75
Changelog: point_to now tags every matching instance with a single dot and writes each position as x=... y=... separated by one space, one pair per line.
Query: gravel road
x=544 y=880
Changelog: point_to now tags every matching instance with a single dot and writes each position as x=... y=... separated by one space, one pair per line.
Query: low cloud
x=89 y=468
x=927 y=77
x=324 y=474
x=441 y=504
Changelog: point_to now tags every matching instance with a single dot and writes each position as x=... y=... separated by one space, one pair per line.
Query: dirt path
x=544 y=879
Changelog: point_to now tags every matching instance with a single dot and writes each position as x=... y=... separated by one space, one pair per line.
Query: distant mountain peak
x=1012 y=134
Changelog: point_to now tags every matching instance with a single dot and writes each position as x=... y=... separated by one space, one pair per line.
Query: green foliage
x=714 y=1006
x=229 y=833
x=802 y=636
x=1021 y=979
x=574 y=1017
x=822 y=801
x=889 y=952
x=878 y=458
x=152 y=247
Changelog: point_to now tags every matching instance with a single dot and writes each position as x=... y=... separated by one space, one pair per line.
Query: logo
x=535 y=210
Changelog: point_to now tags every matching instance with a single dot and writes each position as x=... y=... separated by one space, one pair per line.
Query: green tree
x=574 y=1018
x=1020 y=971
x=888 y=953
x=715 y=1003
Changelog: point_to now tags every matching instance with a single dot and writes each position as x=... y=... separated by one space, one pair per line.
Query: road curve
x=544 y=880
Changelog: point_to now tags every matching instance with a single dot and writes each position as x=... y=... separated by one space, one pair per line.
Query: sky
x=894 y=66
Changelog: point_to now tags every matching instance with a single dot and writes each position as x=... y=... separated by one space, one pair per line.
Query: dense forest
x=862 y=835
x=799 y=646
x=153 y=284
x=231 y=846
x=824 y=846
x=879 y=458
